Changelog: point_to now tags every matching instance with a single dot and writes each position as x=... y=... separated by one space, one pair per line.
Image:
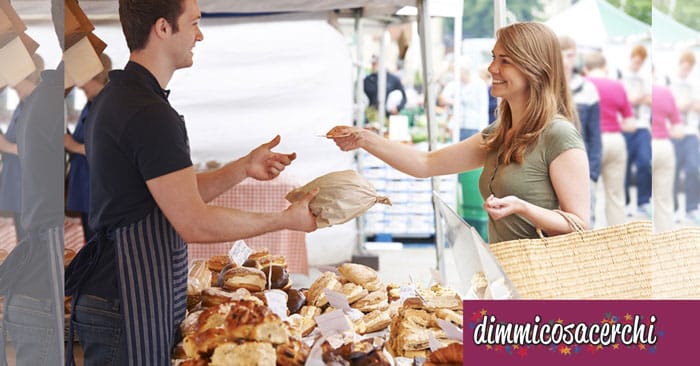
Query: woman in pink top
x=663 y=161
x=615 y=117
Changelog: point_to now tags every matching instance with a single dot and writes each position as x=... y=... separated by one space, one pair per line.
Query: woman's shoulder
x=559 y=126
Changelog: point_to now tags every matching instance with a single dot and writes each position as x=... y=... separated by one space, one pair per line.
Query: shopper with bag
x=533 y=156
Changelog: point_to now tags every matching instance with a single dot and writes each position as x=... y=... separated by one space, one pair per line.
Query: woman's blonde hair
x=535 y=51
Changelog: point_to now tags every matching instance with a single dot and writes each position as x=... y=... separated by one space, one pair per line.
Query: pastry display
x=229 y=322
x=417 y=320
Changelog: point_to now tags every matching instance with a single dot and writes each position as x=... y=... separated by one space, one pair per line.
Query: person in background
x=666 y=123
x=394 y=90
x=10 y=181
x=637 y=84
x=587 y=103
x=147 y=201
x=533 y=156
x=687 y=95
x=472 y=99
x=615 y=118
x=78 y=173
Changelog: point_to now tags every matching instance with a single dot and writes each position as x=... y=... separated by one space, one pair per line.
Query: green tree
x=688 y=13
x=640 y=9
x=477 y=21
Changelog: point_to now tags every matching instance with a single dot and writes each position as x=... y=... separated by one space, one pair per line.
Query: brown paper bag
x=344 y=195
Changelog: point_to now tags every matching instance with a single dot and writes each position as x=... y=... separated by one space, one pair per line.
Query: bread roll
x=245 y=354
x=250 y=279
x=217 y=262
x=358 y=274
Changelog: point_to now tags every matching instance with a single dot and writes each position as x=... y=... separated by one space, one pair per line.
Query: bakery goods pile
x=251 y=315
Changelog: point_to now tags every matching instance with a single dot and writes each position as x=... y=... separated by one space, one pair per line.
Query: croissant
x=447 y=355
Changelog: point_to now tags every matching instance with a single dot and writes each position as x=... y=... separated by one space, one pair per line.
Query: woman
x=78 y=173
x=533 y=156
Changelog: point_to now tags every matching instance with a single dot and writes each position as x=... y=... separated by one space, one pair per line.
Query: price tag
x=406 y=291
x=437 y=277
x=340 y=301
x=277 y=302
x=239 y=252
x=452 y=331
x=433 y=342
x=332 y=323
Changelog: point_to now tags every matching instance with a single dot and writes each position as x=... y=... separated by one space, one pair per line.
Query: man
x=637 y=84
x=588 y=109
x=473 y=100
x=146 y=200
x=615 y=118
x=394 y=90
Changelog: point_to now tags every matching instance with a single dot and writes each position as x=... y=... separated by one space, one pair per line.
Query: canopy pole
x=429 y=105
x=499 y=15
x=359 y=114
x=457 y=111
x=381 y=80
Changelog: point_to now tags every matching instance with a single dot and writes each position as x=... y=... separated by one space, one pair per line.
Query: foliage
x=478 y=16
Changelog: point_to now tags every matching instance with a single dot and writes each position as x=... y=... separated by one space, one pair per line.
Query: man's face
x=684 y=69
x=188 y=34
x=636 y=63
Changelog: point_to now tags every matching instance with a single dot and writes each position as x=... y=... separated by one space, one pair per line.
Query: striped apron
x=152 y=280
x=151 y=264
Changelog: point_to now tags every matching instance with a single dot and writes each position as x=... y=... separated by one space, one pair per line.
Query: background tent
x=667 y=31
x=595 y=23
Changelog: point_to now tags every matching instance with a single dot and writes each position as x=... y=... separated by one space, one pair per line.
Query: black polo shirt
x=133 y=135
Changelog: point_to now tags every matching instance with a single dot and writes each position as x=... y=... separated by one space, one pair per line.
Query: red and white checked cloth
x=255 y=196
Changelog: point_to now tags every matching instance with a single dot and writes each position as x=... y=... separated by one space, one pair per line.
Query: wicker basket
x=609 y=263
x=676 y=264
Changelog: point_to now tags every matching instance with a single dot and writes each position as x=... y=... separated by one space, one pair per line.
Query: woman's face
x=508 y=82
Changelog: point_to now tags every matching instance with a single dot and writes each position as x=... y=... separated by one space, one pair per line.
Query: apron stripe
x=150 y=312
x=152 y=261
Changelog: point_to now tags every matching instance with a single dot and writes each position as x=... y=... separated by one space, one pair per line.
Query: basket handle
x=571 y=219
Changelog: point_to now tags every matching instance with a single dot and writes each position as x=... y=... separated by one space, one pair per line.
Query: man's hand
x=299 y=214
x=264 y=164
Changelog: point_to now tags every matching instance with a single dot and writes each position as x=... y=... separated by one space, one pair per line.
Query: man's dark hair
x=138 y=16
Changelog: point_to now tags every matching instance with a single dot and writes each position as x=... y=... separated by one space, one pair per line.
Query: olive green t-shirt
x=528 y=181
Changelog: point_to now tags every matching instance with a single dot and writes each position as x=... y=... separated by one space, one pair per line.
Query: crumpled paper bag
x=344 y=195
